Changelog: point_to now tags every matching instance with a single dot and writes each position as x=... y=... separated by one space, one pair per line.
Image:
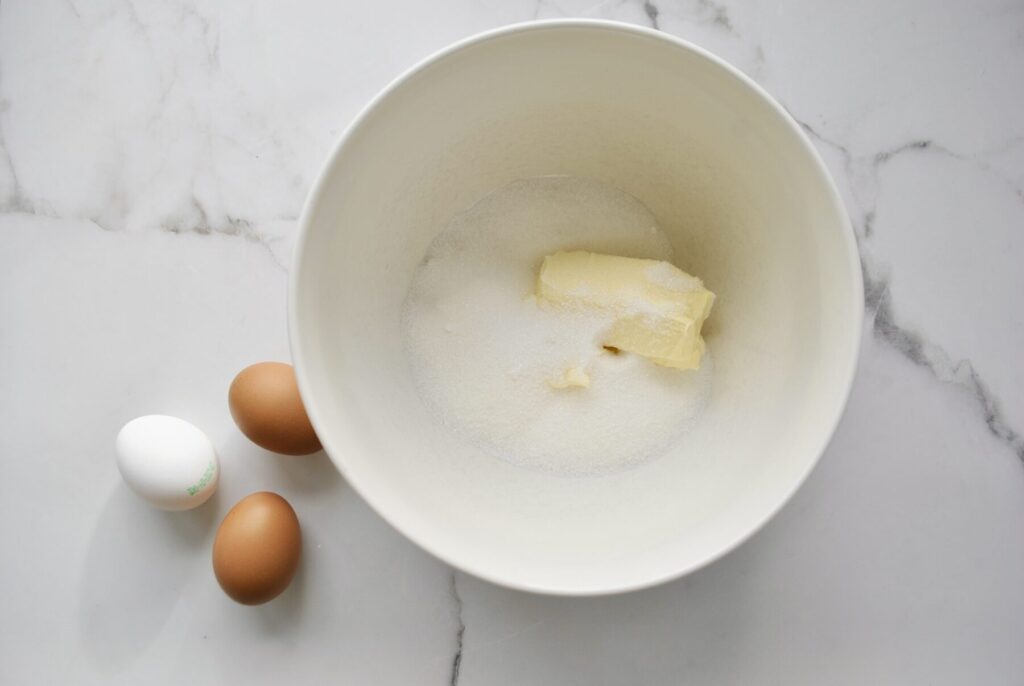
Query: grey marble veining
x=913 y=344
x=154 y=158
x=460 y=629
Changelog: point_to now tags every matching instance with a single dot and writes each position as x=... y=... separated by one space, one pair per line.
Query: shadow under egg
x=136 y=565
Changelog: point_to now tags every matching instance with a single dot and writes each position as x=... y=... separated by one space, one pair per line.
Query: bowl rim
x=370 y=494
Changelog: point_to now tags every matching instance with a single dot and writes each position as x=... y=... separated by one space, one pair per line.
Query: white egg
x=167 y=461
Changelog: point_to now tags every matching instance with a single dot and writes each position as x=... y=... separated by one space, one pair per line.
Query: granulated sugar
x=484 y=353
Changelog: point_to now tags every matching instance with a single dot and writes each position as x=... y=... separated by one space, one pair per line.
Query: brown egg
x=265 y=402
x=257 y=548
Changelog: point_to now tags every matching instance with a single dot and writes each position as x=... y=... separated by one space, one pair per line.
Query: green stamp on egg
x=203 y=481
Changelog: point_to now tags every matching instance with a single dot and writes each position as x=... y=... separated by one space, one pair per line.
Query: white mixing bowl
x=749 y=207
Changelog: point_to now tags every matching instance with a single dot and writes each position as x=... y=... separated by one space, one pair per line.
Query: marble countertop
x=154 y=156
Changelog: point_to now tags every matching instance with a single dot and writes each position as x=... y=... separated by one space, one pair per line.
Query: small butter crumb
x=571 y=377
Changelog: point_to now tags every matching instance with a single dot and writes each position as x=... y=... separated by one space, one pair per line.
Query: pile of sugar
x=482 y=350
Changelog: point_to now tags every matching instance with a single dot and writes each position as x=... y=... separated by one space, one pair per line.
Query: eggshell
x=265 y=403
x=257 y=548
x=167 y=461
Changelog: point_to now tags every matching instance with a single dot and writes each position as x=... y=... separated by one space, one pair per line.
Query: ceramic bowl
x=747 y=204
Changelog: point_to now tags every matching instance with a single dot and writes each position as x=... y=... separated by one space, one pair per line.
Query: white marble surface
x=153 y=158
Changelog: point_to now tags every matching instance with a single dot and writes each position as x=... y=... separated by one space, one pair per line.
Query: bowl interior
x=748 y=208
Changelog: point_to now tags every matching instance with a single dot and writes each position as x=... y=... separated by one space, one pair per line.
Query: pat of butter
x=573 y=376
x=659 y=309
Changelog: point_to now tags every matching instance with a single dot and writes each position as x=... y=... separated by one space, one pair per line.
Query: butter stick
x=659 y=309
